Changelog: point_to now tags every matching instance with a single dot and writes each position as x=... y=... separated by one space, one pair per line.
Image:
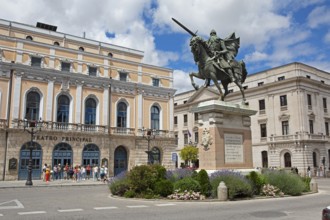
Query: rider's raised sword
x=186 y=29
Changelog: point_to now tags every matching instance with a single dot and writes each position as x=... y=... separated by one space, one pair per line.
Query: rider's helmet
x=213 y=32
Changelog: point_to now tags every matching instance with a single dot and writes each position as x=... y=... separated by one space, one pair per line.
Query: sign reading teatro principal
x=234 y=148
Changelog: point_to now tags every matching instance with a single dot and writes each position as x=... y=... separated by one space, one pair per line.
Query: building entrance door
x=91 y=155
x=62 y=154
x=24 y=161
x=120 y=160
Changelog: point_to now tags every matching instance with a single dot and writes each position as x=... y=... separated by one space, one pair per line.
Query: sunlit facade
x=291 y=127
x=90 y=99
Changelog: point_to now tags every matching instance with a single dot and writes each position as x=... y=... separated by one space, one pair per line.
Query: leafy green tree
x=189 y=153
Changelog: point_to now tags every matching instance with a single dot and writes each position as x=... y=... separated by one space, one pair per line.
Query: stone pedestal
x=225 y=135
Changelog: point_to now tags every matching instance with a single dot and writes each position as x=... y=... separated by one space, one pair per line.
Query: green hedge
x=289 y=183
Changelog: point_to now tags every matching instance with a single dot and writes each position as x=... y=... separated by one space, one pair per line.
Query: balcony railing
x=299 y=136
x=63 y=126
x=3 y=123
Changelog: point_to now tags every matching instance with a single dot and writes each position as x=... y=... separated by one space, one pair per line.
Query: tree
x=189 y=153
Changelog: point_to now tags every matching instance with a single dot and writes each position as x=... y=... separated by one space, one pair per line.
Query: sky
x=272 y=32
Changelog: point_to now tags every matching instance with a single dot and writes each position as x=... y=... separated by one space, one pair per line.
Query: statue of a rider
x=224 y=52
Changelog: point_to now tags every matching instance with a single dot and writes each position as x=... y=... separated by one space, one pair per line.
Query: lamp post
x=35 y=128
x=149 y=136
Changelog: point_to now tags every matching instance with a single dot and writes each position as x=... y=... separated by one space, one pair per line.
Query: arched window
x=315 y=159
x=29 y=38
x=32 y=106
x=287 y=160
x=90 y=112
x=63 y=106
x=81 y=49
x=110 y=54
x=56 y=43
x=155 y=117
x=121 y=115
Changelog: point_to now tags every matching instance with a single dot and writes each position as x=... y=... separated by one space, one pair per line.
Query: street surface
x=95 y=202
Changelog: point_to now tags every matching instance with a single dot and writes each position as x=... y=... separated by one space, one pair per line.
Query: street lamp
x=34 y=128
x=150 y=135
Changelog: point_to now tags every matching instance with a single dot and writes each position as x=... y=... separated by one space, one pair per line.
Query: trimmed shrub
x=119 y=187
x=287 y=182
x=164 y=188
x=142 y=178
x=204 y=180
x=187 y=184
x=307 y=181
x=257 y=180
x=161 y=171
x=129 y=194
x=238 y=185
x=178 y=174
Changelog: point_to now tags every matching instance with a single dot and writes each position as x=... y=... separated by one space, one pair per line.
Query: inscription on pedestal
x=234 y=148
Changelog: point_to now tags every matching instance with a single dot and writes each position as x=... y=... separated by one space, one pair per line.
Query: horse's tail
x=244 y=71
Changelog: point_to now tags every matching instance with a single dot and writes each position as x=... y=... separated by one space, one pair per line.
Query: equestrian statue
x=216 y=61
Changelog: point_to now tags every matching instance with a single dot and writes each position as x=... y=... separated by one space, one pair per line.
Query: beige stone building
x=92 y=102
x=291 y=127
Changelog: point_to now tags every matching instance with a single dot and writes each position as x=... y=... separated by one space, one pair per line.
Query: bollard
x=222 y=191
x=313 y=186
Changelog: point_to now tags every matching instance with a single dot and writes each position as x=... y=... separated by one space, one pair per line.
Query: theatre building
x=87 y=102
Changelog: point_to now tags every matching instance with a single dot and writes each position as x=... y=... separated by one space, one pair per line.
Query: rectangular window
x=260 y=83
x=66 y=66
x=92 y=71
x=285 y=127
x=36 y=61
x=176 y=139
x=185 y=138
x=326 y=128
x=230 y=90
x=196 y=137
x=175 y=120
x=175 y=104
x=185 y=120
x=245 y=87
x=196 y=117
x=262 y=105
x=281 y=78
x=155 y=82
x=309 y=100
x=311 y=126
x=123 y=76
x=283 y=101
x=325 y=103
x=308 y=76
x=184 y=102
x=263 y=130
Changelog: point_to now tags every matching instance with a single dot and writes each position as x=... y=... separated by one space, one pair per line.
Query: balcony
x=298 y=136
x=85 y=128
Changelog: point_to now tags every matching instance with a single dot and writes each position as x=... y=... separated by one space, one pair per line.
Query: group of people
x=74 y=173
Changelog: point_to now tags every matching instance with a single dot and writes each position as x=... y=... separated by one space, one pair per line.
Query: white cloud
x=327 y=38
x=319 y=16
x=182 y=81
x=256 y=56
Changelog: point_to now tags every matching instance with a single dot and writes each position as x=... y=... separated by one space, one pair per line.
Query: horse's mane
x=206 y=47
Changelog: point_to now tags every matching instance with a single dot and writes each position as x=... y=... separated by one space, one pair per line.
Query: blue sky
x=272 y=32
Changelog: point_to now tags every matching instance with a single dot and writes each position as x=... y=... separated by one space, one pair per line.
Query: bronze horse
x=209 y=69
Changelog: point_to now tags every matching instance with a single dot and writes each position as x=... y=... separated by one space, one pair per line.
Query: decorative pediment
x=203 y=94
x=284 y=117
x=262 y=121
x=311 y=116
